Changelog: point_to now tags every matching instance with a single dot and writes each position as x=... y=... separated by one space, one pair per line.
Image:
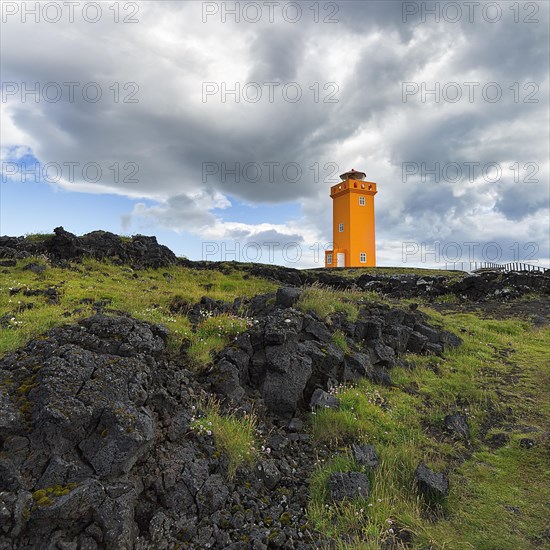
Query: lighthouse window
x=329 y=259
x=341 y=228
x=363 y=257
x=361 y=201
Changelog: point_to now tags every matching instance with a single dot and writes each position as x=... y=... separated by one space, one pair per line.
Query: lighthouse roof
x=354 y=174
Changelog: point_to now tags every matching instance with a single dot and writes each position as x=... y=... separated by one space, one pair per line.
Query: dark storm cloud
x=507 y=49
x=518 y=200
x=278 y=55
x=362 y=17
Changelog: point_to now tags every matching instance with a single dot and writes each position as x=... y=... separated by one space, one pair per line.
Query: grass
x=39 y=238
x=212 y=335
x=393 y=503
x=234 y=436
x=498 y=377
x=146 y=294
x=326 y=301
x=339 y=338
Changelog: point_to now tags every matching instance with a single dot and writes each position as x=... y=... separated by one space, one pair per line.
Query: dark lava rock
x=359 y=365
x=431 y=484
x=348 y=485
x=365 y=455
x=287 y=296
x=35 y=268
x=97 y=450
x=287 y=370
x=457 y=424
x=284 y=275
x=323 y=400
x=417 y=342
x=77 y=410
x=269 y=473
x=224 y=378
x=497 y=440
x=526 y=443
x=295 y=425
x=316 y=330
x=290 y=358
x=140 y=251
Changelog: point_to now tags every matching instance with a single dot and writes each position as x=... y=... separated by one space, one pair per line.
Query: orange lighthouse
x=352 y=222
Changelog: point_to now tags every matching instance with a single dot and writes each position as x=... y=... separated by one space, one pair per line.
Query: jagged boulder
x=98 y=447
x=287 y=296
x=433 y=485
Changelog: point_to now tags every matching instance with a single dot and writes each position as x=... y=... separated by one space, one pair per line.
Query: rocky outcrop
x=365 y=455
x=290 y=361
x=96 y=451
x=476 y=287
x=76 y=421
x=139 y=251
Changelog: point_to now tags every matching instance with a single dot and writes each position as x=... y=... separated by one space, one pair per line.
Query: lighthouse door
x=340 y=259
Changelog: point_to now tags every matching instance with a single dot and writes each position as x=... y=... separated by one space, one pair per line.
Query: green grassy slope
x=145 y=294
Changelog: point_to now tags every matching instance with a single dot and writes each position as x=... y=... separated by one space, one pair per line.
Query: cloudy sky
x=220 y=126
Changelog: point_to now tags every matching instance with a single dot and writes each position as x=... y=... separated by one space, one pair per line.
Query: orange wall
x=359 y=222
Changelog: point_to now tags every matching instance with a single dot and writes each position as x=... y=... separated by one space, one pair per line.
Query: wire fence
x=477 y=266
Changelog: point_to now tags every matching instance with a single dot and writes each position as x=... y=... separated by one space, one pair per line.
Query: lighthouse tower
x=352 y=222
